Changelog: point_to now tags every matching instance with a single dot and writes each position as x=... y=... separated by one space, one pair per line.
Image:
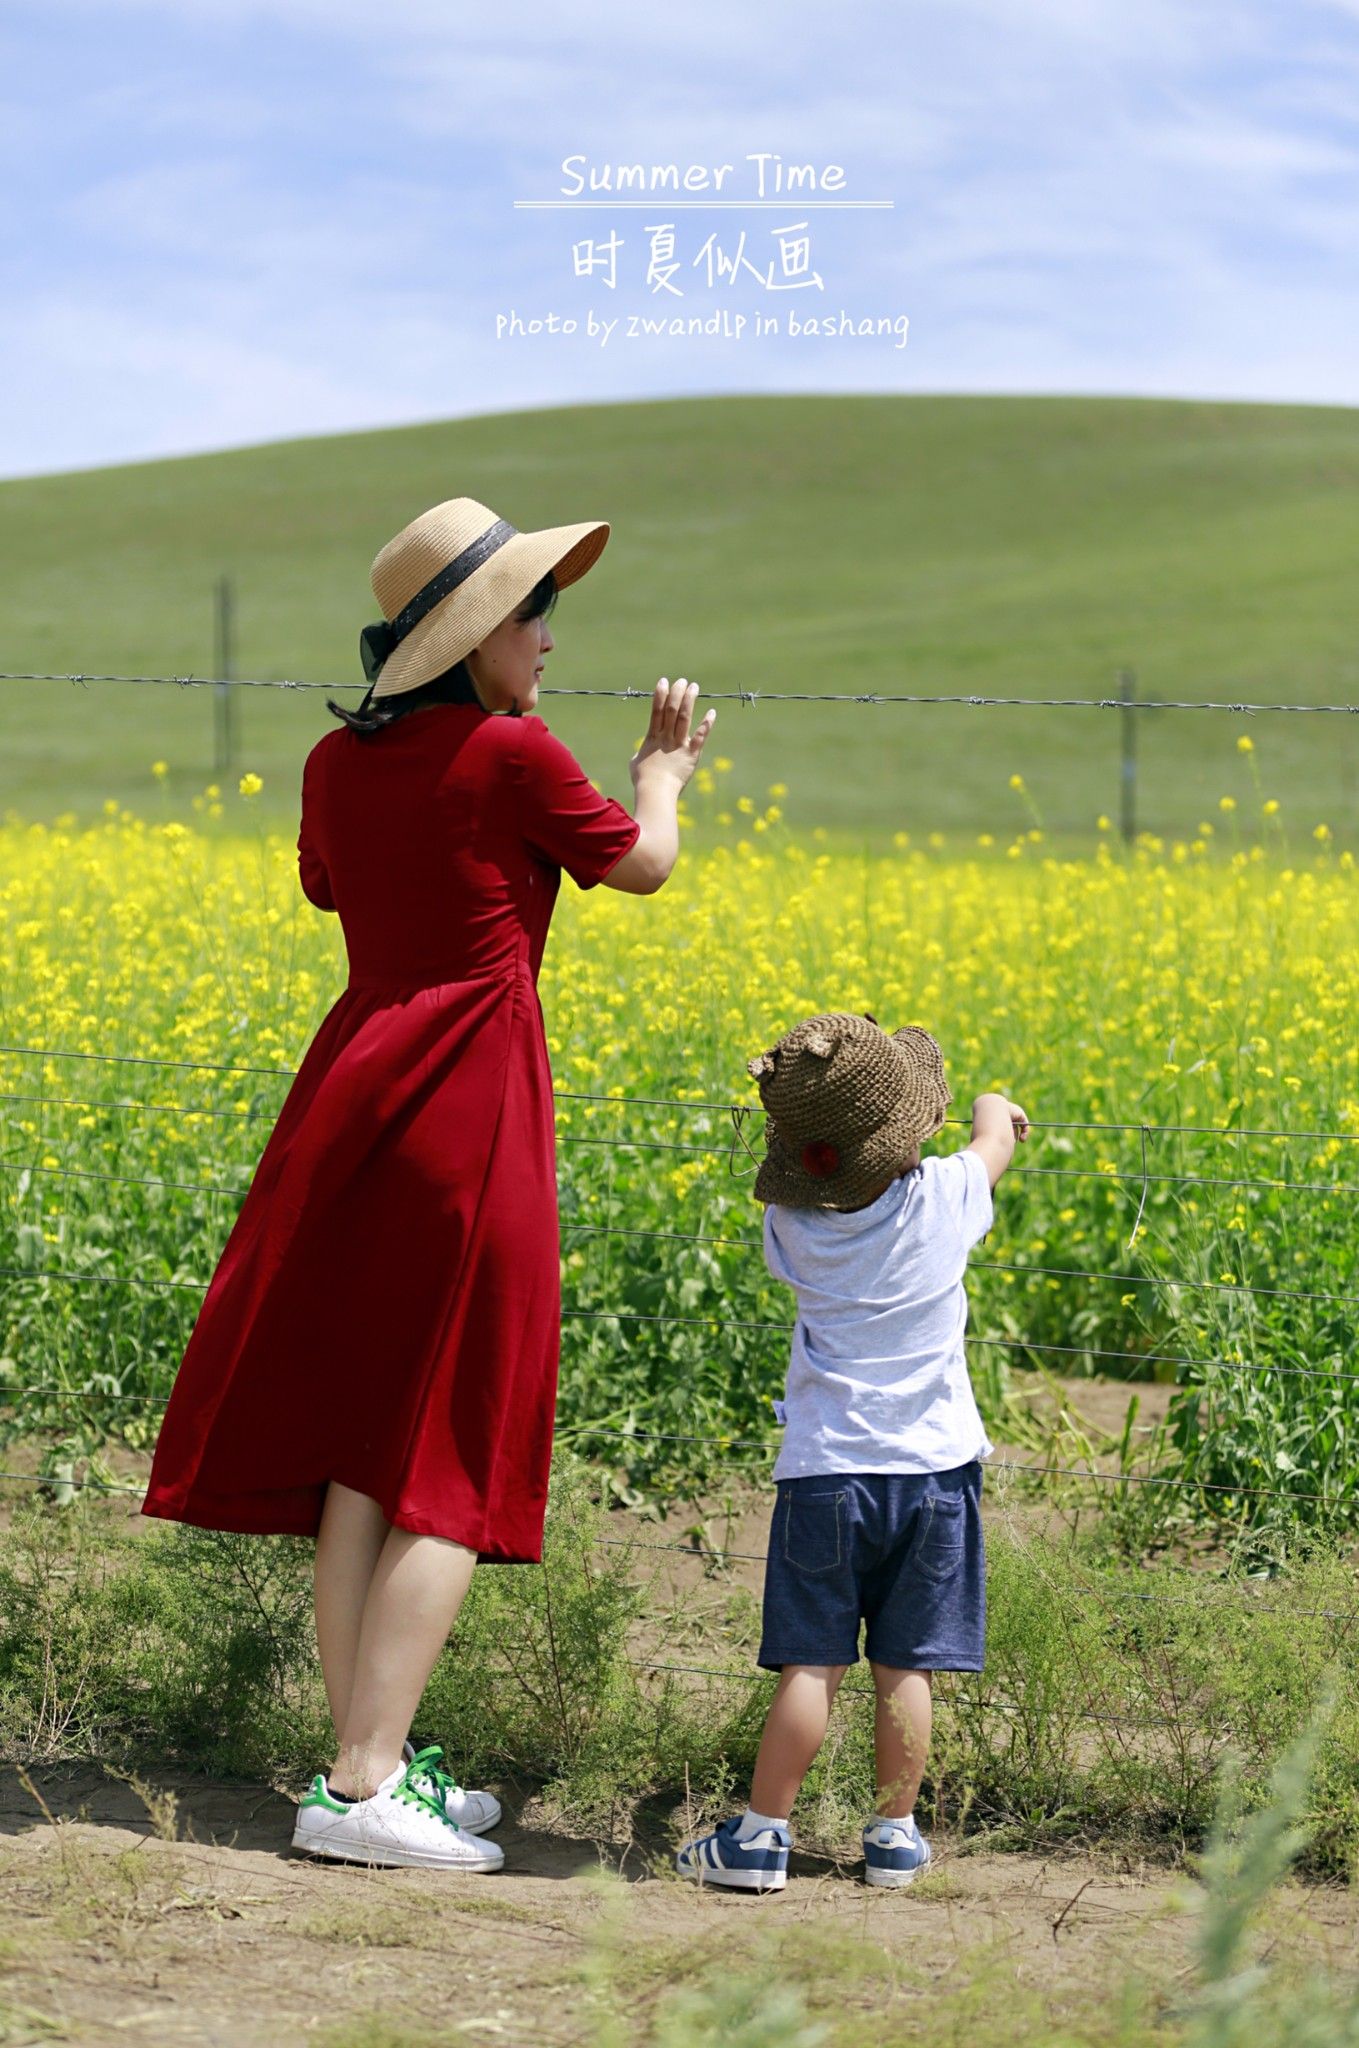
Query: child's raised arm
x=996 y=1124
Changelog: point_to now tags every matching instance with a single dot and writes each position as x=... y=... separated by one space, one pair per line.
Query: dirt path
x=186 y=1920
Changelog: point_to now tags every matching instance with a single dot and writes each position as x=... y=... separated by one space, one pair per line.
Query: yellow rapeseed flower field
x=1203 y=984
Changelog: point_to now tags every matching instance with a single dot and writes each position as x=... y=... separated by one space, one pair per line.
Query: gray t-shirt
x=877 y=1380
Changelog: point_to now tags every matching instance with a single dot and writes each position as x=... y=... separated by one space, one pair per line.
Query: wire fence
x=1222 y=1132
x=1122 y=704
x=1141 y=1180
x=74 y=1400
x=1242 y=1601
x=1035 y=1469
x=1017 y=1270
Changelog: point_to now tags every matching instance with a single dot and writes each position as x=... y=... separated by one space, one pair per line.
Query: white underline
x=662 y=200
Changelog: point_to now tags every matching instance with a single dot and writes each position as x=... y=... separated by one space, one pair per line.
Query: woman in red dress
x=398 y=1405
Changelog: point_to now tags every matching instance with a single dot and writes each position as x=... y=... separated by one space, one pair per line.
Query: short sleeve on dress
x=311 y=869
x=563 y=816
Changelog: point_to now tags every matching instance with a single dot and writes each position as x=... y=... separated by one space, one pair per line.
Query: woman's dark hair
x=454 y=686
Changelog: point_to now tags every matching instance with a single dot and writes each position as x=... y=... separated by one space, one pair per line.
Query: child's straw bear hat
x=847 y=1104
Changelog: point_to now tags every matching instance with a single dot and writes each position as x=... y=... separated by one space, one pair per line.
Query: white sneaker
x=474 y=1812
x=402 y=1823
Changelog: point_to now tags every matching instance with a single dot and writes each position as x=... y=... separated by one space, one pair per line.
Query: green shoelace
x=423 y=1769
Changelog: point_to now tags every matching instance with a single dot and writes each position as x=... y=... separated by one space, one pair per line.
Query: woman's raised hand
x=670 y=748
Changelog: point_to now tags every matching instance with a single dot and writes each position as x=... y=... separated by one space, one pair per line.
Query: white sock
x=752 y=1823
x=880 y=1820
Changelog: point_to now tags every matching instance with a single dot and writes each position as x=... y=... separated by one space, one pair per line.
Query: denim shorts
x=901 y=1551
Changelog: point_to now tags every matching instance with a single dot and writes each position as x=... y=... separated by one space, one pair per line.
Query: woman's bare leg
x=413 y=1599
x=348 y=1544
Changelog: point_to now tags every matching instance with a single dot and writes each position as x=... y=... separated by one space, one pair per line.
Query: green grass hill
x=1007 y=546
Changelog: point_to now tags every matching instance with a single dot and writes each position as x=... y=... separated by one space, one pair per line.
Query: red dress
x=386 y=1309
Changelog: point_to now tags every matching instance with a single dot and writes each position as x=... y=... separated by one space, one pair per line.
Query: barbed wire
x=737 y=696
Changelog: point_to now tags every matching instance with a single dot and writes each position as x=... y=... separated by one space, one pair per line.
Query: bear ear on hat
x=914 y=1038
x=763 y=1063
x=915 y=1035
x=821 y=1043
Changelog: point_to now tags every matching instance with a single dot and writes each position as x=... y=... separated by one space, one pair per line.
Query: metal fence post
x=1127 y=679
x=224 y=697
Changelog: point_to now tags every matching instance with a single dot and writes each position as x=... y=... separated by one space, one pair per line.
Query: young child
x=878 y=1510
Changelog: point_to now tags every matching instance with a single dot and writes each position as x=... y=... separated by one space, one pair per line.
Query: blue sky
x=230 y=222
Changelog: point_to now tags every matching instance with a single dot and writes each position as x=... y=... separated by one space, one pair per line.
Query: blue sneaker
x=759 y=1864
x=895 y=1852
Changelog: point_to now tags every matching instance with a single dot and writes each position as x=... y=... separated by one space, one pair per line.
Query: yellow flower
x=1226 y=803
x=251 y=784
x=778 y=789
x=1270 y=807
x=745 y=804
x=1016 y=782
x=1245 y=745
x=1323 y=833
x=722 y=764
x=160 y=768
x=212 y=790
x=1101 y=823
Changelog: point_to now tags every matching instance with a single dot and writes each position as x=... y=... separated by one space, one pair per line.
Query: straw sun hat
x=847 y=1103
x=449 y=578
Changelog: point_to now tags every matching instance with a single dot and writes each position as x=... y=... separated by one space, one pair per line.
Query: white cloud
x=295 y=216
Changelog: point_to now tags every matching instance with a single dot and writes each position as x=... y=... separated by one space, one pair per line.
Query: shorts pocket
x=813 y=1530
x=939 y=1545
